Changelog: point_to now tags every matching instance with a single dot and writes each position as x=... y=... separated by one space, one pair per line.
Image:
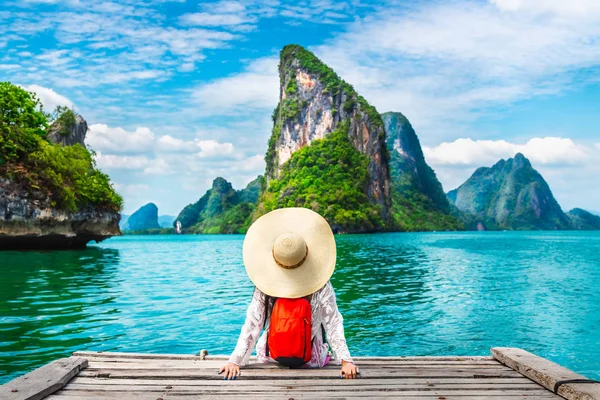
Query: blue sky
x=179 y=92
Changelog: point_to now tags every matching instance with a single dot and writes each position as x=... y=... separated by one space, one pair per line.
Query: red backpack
x=289 y=340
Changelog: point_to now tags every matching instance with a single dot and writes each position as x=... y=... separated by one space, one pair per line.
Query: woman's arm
x=255 y=320
x=333 y=322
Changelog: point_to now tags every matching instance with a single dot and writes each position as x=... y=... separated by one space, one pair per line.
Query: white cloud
x=207 y=19
x=168 y=143
x=212 y=148
x=130 y=189
x=101 y=137
x=49 y=98
x=572 y=7
x=469 y=152
x=5 y=67
x=112 y=161
x=158 y=166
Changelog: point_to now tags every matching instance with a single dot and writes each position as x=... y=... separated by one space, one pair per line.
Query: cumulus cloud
x=158 y=166
x=572 y=7
x=207 y=19
x=101 y=137
x=131 y=189
x=49 y=98
x=469 y=152
x=112 y=161
x=212 y=148
x=169 y=143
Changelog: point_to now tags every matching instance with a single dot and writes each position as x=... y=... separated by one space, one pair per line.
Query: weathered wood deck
x=508 y=374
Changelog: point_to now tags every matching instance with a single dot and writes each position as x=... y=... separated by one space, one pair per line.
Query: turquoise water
x=400 y=294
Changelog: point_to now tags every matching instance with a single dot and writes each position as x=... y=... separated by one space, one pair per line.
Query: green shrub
x=69 y=175
x=66 y=174
x=330 y=177
x=22 y=122
x=66 y=119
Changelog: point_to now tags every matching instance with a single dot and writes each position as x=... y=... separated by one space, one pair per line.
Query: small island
x=51 y=193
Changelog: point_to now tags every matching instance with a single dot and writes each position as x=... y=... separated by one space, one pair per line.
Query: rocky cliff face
x=510 y=195
x=29 y=220
x=418 y=200
x=584 y=220
x=313 y=103
x=222 y=209
x=146 y=217
x=68 y=133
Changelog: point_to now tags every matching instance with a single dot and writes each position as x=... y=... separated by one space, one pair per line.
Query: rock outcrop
x=316 y=105
x=70 y=132
x=222 y=209
x=146 y=217
x=584 y=220
x=510 y=195
x=418 y=199
x=30 y=221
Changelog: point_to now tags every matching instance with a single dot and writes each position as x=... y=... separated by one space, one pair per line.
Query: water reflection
x=379 y=285
x=53 y=303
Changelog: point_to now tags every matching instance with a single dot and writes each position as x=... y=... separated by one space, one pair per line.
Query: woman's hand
x=349 y=370
x=231 y=371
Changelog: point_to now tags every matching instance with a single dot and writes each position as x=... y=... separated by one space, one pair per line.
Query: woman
x=289 y=255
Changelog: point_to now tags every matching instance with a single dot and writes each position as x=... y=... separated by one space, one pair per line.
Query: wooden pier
x=506 y=374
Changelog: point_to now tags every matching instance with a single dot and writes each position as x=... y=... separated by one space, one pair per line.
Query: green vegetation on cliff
x=584 y=220
x=291 y=107
x=418 y=200
x=509 y=195
x=222 y=209
x=330 y=177
x=67 y=175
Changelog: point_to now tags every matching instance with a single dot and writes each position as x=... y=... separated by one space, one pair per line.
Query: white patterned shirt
x=324 y=313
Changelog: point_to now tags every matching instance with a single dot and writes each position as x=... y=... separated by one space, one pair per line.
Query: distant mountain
x=418 y=199
x=584 y=220
x=509 y=195
x=123 y=221
x=166 y=221
x=144 y=218
x=222 y=209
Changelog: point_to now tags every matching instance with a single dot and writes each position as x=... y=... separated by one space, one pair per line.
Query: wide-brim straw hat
x=289 y=252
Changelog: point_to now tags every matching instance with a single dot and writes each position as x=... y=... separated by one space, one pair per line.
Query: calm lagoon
x=400 y=294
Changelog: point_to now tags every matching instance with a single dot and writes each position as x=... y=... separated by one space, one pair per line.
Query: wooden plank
x=219 y=363
x=324 y=387
x=325 y=373
x=89 y=354
x=43 y=381
x=305 y=382
x=207 y=365
x=341 y=396
x=282 y=394
x=547 y=373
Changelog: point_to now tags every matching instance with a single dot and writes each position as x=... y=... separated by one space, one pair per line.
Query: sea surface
x=400 y=294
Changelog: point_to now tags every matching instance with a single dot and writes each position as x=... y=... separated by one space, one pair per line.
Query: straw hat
x=289 y=252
